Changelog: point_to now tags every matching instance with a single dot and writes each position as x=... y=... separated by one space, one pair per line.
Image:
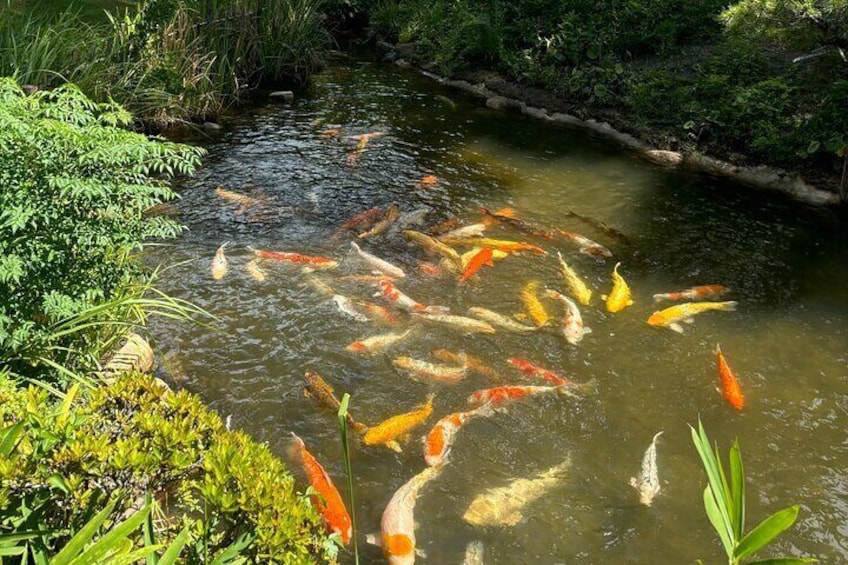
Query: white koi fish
x=438 y=443
x=376 y=343
x=503 y=506
x=572 y=323
x=219 y=263
x=647 y=484
x=586 y=245
x=345 y=306
x=255 y=271
x=423 y=369
x=391 y=293
x=473 y=230
x=467 y=325
x=500 y=320
x=377 y=263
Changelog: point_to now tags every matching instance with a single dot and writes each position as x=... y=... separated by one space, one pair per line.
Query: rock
x=661 y=157
x=403 y=63
x=29 y=89
x=284 y=95
x=212 y=126
x=538 y=113
x=567 y=119
x=134 y=355
x=505 y=104
x=389 y=57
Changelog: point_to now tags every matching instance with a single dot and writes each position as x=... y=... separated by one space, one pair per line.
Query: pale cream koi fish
x=647 y=484
x=377 y=263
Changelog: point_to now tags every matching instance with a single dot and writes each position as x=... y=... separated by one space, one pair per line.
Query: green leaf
x=785 y=561
x=173 y=552
x=717 y=521
x=737 y=489
x=9 y=438
x=81 y=539
x=813 y=147
x=766 y=531
x=112 y=539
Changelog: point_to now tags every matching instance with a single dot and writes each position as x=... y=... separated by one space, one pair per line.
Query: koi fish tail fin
x=295 y=448
x=718 y=349
x=587 y=330
x=729 y=306
x=590 y=386
x=374 y=539
x=656 y=436
x=354 y=246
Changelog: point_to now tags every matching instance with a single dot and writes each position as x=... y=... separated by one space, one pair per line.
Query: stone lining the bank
x=770 y=178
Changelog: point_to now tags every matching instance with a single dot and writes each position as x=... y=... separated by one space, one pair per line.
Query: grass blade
x=737 y=489
x=346 y=451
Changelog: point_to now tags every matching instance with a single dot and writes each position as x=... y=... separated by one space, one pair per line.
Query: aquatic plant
x=343 y=417
x=724 y=503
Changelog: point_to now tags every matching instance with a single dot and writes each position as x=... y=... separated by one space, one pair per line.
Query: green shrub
x=134 y=437
x=75 y=186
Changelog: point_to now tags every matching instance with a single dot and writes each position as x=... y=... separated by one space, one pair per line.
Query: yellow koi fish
x=575 y=285
x=619 y=296
x=255 y=271
x=219 y=263
x=433 y=245
x=670 y=317
x=505 y=245
x=533 y=305
x=387 y=432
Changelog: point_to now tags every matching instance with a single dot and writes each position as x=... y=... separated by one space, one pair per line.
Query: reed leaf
x=343 y=415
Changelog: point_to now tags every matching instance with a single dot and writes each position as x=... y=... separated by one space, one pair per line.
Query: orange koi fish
x=387 y=432
x=429 y=182
x=729 y=384
x=317 y=388
x=586 y=245
x=430 y=269
x=297 y=258
x=464 y=360
x=219 y=263
x=706 y=292
x=328 y=501
x=376 y=343
x=502 y=394
x=377 y=313
x=484 y=257
x=438 y=443
x=398 y=523
x=530 y=370
x=533 y=305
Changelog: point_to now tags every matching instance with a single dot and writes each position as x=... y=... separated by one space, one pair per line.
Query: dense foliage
x=725 y=79
x=133 y=438
x=74 y=190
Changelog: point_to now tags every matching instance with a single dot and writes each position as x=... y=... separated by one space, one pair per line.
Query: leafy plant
x=343 y=416
x=724 y=502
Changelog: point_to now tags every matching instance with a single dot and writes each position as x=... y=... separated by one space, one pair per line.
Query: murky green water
x=785 y=263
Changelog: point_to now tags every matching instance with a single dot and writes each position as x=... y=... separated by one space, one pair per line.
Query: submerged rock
x=284 y=95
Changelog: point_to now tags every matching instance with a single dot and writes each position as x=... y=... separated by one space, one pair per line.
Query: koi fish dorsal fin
x=394 y=446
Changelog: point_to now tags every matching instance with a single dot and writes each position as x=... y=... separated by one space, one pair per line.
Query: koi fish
x=346 y=306
x=500 y=320
x=670 y=317
x=398 y=523
x=531 y=370
x=391 y=293
x=320 y=286
x=518 y=225
x=484 y=257
x=243 y=200
x=729 y=384
x=376 y=343
x=367 y=278
x=387 y=432
x=330 y=132
x=366 y=136
x=219 y=263
x=572 y=323
x=433 y=245
x=390 y=217
x=297 y=258
x=377 y=263
x=499 y=244
x=469 y=255
x=317 y=388
x=533 y=305
x=473 y=230
x=464 y=360
x=474 y=552
x=502 y=394
x=647 y=484
x=619 y=296
x=467 y=325
x=438 y=443
x=450 y=266
x=362 y=220
x=430 y=269
x=585 y=245
x=493 y=218
x=575 y=285
x=328 y=502
x=444 y=226
x=411 y=218
x=446 y=101
x=377 y=313
x=706 y=292
x=503 y=506
x=429 y=182
x=255 y=271
x=431 y=371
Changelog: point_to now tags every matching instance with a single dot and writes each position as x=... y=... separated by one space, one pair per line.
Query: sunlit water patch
x=786 y=265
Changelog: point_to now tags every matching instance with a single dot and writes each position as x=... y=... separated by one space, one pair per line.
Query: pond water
x=787 y=266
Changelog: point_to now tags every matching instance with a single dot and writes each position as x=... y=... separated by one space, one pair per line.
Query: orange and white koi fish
x=619 y=296
x=255 y=271
x=503 y=394
x=433 y=245
x=575 y=285
x=377 y=263
x=297 y=258
x=484 y=257
x=391 y=293
x=464 y=360
x=219 y=263
x=473 y=230
x=467 y=325
x=346 y=306
x=389 y=218
x=706 y=292
x=438 y=443
x=531 y=370
x=387 y=432
x=572 y=324
x=376 y=343
x=670 y=317
x=500 y=320
x=505 y=245
x=429 y=182
x=431 y=371
x=328 y=502
x=533 y=305
x=730 y=388
x=586 y=246
x=377 y=313
x=317 y=388
x=398 y=523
